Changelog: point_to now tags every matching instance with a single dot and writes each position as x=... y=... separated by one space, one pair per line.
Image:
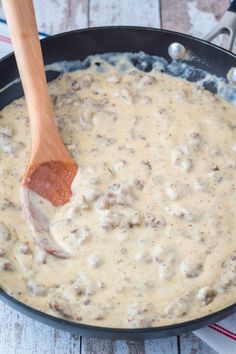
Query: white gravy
x=151 y=226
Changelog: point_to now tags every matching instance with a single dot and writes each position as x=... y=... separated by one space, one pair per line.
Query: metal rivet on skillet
x=231 y=76
x=176 y=51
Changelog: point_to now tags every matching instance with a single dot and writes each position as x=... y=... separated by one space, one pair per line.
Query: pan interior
x=147 y=63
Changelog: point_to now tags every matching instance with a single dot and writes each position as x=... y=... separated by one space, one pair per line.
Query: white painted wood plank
x=157 y=346
x=194 y=17
x=204 y=15
x=58 y=16
x=54 y=16
x=98 y=346
x=121 y=347
x=22 y=335
x=125 y=12
x=163 y=346
x=190 y=344
x=1 y=11
x=133 y=347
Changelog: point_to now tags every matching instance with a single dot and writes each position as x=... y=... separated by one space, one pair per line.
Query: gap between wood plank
x=80 y=344
x=124 y=12
x=178 y=345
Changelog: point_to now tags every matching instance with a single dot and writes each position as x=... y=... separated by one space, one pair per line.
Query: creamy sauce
x=150 y=229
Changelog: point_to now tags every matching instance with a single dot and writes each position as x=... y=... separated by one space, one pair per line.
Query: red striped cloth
x=224 y=331
x=220 y=336
x=5 y=41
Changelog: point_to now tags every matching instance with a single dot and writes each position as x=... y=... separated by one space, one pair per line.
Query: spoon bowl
x=39 y=224
x=52 y=180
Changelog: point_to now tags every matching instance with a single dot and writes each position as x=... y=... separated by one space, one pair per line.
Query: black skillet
x=78 y=45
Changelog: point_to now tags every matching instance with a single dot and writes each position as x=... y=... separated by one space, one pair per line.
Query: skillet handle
x=227 y=24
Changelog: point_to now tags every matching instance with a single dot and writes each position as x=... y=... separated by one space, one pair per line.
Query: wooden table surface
x=21 y=335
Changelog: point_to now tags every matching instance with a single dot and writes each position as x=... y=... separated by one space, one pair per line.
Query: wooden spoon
x=51 y=170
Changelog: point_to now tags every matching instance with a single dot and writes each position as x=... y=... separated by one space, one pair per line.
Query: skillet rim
x=146 y=28
x=111 y=332
x=116 y=333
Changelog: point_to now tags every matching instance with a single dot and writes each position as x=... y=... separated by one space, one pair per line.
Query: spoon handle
x=23 y=29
